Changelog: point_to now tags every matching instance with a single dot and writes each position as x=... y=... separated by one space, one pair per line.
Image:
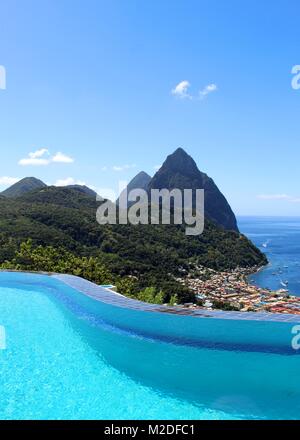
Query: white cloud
x=273 y=196
x=106 y=193
x=42 y=157
x=208 y=89
x=38 y=153
x=181 y=90
x=62 y=158
x=157 y=167
x=33 y=161
x=69 y=181
x=8 y=181
x=36 y=158
x=123 y=167
x=279 y=197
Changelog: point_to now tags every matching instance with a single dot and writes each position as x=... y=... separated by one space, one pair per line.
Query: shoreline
x=232 y=290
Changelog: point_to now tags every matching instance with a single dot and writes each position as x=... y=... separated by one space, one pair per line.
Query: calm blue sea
x=279 y=239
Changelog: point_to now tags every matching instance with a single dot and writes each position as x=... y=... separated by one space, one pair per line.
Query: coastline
x=233 y=290
x=279 y=239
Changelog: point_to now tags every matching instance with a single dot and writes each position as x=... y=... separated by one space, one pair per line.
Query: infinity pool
x=71 y=356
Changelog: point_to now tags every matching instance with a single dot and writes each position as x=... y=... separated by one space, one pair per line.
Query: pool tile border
x=99 y=293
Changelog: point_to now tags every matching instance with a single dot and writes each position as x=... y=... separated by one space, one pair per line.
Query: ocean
x=279 y=239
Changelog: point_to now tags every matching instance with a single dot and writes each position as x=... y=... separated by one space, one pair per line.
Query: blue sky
x=93 y=81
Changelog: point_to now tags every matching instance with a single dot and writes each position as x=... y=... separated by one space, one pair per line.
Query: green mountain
x=29 y=184
x=62 y=222
x=84 y=189
x=23 y=186
x=140 y=181
x=180 y=171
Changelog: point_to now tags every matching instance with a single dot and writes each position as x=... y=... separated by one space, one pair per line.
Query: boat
x=265 y=244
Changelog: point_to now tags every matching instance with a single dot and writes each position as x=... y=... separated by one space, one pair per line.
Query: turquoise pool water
x=67 y=357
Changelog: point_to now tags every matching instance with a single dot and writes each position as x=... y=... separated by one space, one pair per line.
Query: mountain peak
x=31 y=180
x=143 y=173
x=179 y=151
x=179 y=170
x=140 y=181
x=23 y=186
x=181 y=162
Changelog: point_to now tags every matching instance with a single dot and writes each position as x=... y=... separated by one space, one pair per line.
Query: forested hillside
x=62 y=221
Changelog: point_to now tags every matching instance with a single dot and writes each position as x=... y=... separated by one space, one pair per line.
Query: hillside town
x=231 y=290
